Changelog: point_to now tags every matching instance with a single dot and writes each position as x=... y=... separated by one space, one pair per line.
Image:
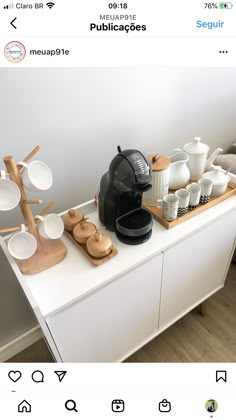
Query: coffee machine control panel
x=138 y=163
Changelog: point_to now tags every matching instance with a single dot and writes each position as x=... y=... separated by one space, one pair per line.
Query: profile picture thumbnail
x=211 y=406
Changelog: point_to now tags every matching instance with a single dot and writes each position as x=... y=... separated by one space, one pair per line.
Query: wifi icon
x=50 y=5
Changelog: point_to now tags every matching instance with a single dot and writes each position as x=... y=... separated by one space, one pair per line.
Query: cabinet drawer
x=114 y=320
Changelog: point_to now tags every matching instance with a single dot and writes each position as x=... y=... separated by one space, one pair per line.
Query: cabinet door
x=114 y=320
x=196 y=267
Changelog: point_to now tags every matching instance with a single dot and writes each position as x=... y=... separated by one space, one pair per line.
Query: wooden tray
x=95 y=261
x=158 y=212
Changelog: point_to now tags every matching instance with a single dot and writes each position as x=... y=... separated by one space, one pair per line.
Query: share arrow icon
x=60 y=374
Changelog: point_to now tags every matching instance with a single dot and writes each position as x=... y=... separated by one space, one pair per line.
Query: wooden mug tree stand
x=49 y=252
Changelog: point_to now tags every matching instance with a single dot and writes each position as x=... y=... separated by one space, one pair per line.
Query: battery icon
x=226 y=5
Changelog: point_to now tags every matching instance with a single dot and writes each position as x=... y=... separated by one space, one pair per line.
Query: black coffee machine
x=122 y=186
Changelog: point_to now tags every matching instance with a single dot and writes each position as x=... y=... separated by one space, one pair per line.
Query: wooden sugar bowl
x=72 y=218
x=83 y=230
x=99 y=245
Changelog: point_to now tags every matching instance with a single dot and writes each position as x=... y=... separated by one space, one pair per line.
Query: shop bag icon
x=164 y=406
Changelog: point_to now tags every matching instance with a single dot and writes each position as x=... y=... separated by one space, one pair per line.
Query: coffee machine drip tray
x=134 y=227
x=133 y=240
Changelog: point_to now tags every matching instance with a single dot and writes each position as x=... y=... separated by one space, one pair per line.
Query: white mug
x=50 y=226
x=169 y=203
x=9 y=193
x=36 y=176
x=195 y=192
x=22 y=245
x=206 y=188
x=183 y=196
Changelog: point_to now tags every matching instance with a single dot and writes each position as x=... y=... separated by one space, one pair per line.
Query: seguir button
x=210 y=25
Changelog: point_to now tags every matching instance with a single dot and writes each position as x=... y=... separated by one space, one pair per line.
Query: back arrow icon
x=12 y=23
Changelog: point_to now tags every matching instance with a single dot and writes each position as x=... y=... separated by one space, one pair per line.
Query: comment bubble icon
x=37 y=376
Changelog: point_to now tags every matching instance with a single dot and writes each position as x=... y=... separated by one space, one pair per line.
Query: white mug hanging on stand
x=22 y=244
x=36 y=176
x=50 y=226
x=169 y=203
x=9 y=193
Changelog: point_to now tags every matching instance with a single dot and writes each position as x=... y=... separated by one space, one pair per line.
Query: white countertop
x=73 y=278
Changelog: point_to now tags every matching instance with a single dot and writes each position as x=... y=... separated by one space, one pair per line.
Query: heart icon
x=14 y=375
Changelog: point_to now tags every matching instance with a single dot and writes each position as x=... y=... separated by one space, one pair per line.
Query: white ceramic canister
x=160 y=179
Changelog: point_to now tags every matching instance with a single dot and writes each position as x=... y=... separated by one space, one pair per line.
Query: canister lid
x=84 y=230
x=99 y=242
x=159 y=162
x=71 y=218
x=217 y=176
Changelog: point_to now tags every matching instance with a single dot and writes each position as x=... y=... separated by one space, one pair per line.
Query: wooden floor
x=192 y=339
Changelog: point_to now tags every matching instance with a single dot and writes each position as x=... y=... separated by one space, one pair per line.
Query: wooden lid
x=72 y=215
x=71 y=218
x=84 y=230
x=159 y=162
x=99 y=242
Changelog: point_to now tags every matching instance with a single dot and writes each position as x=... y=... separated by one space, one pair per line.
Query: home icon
x=24 y=406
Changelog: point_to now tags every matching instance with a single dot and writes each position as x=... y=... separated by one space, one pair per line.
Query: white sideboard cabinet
x=195 y=268
x=114 y=319
x=106 y=313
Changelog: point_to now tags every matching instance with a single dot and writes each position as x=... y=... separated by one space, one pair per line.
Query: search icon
x=71 y=405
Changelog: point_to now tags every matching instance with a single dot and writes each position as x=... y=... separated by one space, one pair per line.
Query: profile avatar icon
x=15 y=51
x=211 y=406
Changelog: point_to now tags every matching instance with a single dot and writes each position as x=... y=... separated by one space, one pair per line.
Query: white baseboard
x=20 y=343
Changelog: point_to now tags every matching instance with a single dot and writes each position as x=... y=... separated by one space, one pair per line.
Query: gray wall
x=15 y=313
x=79 y=116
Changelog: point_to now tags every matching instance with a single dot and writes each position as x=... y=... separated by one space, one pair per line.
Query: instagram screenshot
x=118 y=209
